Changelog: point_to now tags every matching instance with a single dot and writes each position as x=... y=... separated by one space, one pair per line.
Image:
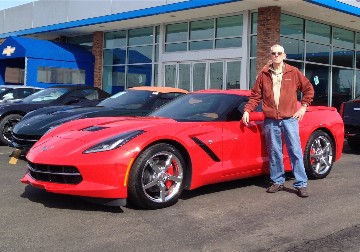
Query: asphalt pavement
x=232 y=216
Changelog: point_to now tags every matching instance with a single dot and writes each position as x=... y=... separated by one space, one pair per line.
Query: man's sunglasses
x=278 y=53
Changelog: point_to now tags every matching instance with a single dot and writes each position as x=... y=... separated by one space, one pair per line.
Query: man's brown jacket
x=292 y=81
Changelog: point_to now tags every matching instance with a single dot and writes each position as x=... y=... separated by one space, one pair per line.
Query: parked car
x=12 y=93
x=11 y=113
x=137 y=101
x=195 y=140
x=350 y=112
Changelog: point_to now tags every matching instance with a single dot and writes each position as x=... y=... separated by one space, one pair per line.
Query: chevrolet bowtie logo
x=8 y=50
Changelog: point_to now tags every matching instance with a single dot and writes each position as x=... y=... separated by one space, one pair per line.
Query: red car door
x=244 y=149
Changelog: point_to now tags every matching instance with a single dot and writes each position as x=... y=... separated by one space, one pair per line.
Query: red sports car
x=196 y=140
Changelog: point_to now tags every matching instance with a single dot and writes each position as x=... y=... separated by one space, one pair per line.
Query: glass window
x=178 y=47
x=343 y=57
x=114 y=56
x=357 y=87
x=113 y=78
x=292 y=26
x=233 y=70
x=343 y=38
x=203 y=29
x=318 y=53
x=298 y=65
x=139 y=75
x=252 y=73
x=216 y=75
x=199 y=70
x=358 y=41
x=253 y=44
x=358 y=59
x=201 y=45
x=15 y=75
x=317 y=32
x=141 y=54
x=319 y=78
x=254 y=21
x=184 y=76
x=229 y=26
x=61 y=75
x=115 y=39
x=170 y=75
x=341 y=86
x=114 y=75
x=294 y=48
x=176 y=32
x=141 y=36
x=157 y=34
x=156 y=81
x=230 y=42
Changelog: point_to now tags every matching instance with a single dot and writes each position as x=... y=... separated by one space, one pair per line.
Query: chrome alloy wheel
x=162 y=177
x=321 y=155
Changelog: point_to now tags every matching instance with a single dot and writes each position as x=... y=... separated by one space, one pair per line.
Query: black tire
x=6 y=126
x=319 y=155
x=157 y=177
x=353 y=144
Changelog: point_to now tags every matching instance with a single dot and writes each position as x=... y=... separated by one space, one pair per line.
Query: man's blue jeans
x=289 y=128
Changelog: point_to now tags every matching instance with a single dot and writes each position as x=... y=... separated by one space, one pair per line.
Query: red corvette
x=195 y=140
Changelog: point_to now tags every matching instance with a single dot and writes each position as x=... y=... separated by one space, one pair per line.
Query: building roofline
x=164 y=9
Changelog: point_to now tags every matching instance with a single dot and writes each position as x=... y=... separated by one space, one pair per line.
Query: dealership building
x=190 y=44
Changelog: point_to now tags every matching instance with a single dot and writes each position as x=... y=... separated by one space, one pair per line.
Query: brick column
x=268 y=33
x=97 y=51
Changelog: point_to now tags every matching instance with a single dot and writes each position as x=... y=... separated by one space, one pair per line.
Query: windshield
x=203 y=107
x=130 y=99
x=46 y=95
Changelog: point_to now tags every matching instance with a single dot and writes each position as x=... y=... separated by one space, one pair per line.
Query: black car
x=12 y=93
x=11 y=113
x=350 y=112
x=138 y=101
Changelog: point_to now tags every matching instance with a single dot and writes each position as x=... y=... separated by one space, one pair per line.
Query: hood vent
x=94 y=128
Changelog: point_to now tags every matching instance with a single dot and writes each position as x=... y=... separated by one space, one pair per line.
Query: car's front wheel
x=157 y=177
x=6 y=126
x=319 y=155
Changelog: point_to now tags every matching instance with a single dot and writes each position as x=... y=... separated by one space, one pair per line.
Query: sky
x=5 y=4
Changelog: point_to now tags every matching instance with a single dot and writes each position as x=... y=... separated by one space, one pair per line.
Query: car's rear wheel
x=354 y=144
x=6 y=126
x=157 y=177
x=319 y=155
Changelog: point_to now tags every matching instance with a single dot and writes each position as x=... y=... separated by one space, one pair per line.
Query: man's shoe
x=301 y=192
x=275 y=188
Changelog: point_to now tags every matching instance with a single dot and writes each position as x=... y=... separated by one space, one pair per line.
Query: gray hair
x=277 y=45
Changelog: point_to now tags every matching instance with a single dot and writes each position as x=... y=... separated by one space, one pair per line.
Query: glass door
x=199 y=76
x=193 y=76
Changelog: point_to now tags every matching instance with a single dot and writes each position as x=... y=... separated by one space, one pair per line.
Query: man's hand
x=300 y=113
x=245 y=118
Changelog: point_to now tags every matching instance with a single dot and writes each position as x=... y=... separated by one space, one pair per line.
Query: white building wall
x=45 y=12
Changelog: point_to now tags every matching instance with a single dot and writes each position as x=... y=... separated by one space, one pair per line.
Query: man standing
x=277 y=85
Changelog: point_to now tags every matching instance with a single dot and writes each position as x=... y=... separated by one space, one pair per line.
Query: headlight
x=114 y=142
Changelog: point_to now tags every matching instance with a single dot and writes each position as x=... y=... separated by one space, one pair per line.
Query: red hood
x=90 y=129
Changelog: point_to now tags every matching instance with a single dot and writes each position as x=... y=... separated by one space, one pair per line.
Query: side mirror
x=256 y=116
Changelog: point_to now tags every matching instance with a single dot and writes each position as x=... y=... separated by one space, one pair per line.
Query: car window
x=23 y=92
x=130 y=99
x=201 y=107
x=46 y=95
x=163 y=99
